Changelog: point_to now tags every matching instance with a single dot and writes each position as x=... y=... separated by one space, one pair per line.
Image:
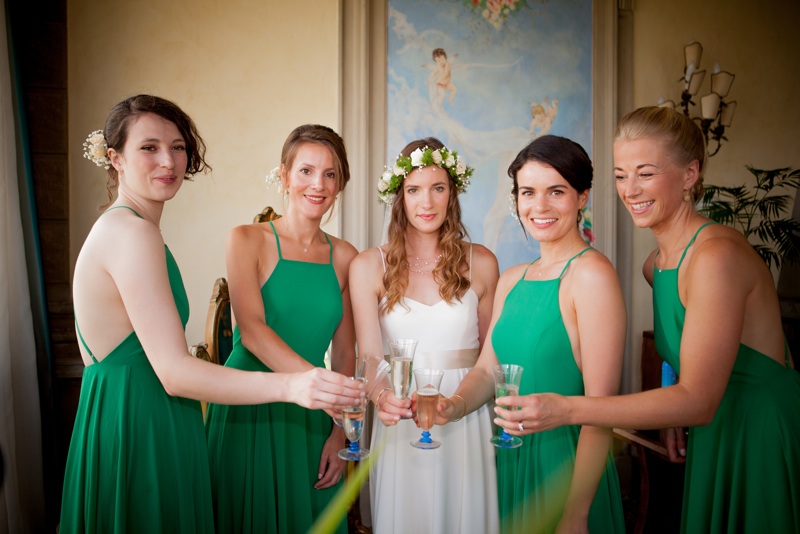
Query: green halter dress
x=533 y=480
x=742 y=469
x=265 y=458
x=137 y=460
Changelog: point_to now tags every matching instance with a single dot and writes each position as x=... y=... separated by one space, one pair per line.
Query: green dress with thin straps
x=533 y=480
x=265 y=458
x=137 y=460
x=743 y=468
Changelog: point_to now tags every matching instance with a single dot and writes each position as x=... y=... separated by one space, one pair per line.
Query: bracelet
x=465 y=409
x=378 y=400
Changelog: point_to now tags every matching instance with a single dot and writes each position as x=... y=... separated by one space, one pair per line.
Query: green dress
x=533 y=480
x=742 y=469
x=137 y=460
x=265 y=458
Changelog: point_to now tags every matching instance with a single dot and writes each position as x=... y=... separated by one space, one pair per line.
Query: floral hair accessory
x=95 y=149
x=392 y=178
x=274 y=178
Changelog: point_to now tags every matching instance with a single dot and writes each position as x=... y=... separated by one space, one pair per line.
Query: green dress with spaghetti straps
x=533 y=480
x=265 y=458
x=743 y=468
x=138 y=460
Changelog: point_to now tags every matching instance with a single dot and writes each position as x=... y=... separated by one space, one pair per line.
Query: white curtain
x=21 y=490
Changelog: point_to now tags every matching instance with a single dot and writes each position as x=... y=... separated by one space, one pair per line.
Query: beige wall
x=757 y=41
x=247 y=72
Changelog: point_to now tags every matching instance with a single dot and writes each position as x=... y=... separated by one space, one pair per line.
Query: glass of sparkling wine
x=428 y=383
x=353 y=425
x=401 y=358
x=507 y=378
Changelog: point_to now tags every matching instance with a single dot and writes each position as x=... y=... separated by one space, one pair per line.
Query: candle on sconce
x=697 y=80
x=709 y=106
x=721 y=82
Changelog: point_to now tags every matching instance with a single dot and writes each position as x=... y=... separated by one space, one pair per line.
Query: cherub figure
x=542 y=116
x=440 y=80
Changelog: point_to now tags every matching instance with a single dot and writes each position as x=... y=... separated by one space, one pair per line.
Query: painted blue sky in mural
x=504 y=81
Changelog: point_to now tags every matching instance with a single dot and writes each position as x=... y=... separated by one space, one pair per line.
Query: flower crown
x=95 y=149
x=392 y=178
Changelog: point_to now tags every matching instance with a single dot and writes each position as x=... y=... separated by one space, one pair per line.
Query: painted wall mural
x=486 y=77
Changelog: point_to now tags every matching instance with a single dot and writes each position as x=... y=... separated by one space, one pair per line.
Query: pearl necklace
x=420 y=266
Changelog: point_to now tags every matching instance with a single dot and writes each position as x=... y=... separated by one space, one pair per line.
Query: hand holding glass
x=353 y=425
x=507 y=378
x=428 y=383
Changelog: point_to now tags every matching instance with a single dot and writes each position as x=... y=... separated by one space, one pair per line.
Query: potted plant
x=760 y=211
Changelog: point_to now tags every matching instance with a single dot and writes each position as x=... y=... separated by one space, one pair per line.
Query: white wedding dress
x=453 y=488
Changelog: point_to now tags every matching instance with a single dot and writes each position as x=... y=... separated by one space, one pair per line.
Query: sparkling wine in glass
x=401 y=358
x=353 y=424
x=428 y=383
x=507 y=378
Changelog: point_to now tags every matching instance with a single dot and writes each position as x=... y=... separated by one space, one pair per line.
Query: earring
x=686 y=197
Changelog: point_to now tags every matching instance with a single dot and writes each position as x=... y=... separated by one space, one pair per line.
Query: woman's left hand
x=527 y=414
x=331 y=467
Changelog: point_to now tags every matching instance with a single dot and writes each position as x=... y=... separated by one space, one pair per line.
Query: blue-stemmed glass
x=507 y=378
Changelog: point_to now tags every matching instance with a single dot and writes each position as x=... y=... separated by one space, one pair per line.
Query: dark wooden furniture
x=660 y=481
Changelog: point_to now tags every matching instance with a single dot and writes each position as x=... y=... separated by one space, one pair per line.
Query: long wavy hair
x=452 y=234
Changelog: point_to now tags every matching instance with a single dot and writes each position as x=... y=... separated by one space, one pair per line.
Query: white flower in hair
x=95 y=149
x=274 y=178
x=450 y=161
x=416 y=158
x=436 y=156
x=399 y=171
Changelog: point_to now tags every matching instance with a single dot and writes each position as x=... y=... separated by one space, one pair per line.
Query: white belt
x=446 y=359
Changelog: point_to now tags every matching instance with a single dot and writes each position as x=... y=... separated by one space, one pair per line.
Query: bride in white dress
x=431 y=285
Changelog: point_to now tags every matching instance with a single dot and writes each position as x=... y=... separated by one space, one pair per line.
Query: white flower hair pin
x=95 y=149
x=392 y=178
x=274 y=178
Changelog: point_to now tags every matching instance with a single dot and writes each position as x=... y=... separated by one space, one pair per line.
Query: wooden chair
x=266 y=215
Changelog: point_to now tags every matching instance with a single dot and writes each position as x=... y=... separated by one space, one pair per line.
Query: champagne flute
x=428 y=383
x=401 y=358
x=507 y=378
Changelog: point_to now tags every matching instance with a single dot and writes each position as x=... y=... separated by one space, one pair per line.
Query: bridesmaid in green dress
x=138 y=460
x=562 y=318
x=275 y=467
x=717 y=322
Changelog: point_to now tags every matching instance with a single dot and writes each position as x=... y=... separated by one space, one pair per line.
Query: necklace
x=421 y=266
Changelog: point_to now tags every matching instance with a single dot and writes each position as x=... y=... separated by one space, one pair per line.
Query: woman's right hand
x=320 y=389
x=391 y=409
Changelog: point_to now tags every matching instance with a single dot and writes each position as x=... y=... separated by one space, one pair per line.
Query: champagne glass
x=353 y=424
x=401 y=358
x=506 y=382
x=370 y=370
x=428 y=383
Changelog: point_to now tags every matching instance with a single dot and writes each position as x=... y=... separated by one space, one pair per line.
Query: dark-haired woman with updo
x=562 y=318
x=138 y=460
